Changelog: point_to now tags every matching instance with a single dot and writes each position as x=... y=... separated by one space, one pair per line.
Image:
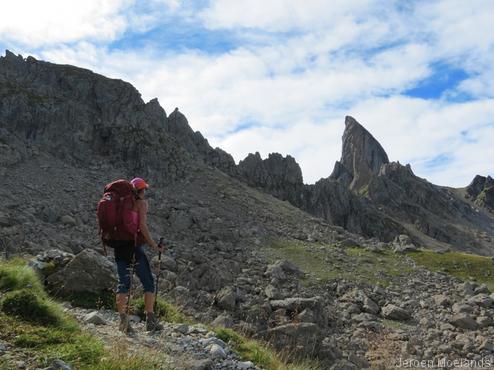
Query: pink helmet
x=139 y=183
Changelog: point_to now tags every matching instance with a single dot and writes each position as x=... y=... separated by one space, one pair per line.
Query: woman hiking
x=129 y=252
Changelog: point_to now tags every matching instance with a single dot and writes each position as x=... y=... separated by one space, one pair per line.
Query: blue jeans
x=142 y=269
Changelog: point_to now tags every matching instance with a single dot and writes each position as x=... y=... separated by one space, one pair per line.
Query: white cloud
x=36 y=23
x=281 y=15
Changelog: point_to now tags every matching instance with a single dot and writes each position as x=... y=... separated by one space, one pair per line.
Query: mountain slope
x=237 y=256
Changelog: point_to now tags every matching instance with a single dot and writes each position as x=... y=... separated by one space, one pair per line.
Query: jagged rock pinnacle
x=362 y=155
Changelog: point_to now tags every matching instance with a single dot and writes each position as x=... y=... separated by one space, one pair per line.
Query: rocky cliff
x=278 y=175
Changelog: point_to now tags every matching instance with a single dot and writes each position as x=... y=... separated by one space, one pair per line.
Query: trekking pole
x=160 y=243
x=127 y=309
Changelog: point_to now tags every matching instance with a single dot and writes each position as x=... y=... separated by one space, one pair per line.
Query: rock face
x=327 y=198
x=178 y=127
x=362 y=155
x=481 y=191
x=75 y=114
x=331 y=200
x=278 y=175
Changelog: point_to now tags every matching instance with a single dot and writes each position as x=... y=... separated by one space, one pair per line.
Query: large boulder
x=305 y=309
x=88 y=272
x=464 y=321
x=226 y=299
x=282 y=269
x=359 y=298
x=482 y=300
x=393 y=312
x=301 y=339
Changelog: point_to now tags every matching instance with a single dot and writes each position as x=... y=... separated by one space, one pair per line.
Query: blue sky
x=281 y=75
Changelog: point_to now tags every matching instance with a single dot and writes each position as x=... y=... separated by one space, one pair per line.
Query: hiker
x=128 y=251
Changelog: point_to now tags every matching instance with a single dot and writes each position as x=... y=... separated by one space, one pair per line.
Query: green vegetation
x=123 y=359
x=164 y=310
x=40 y=331
x=24 y=297
x=92 y=300
x=260 y=354
x=462 y=265
x=325 y=262
x=29 y=306
x=15 y=274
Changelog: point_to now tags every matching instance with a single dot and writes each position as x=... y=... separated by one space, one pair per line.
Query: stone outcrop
x=362 y=155
x=178 y=127
x=278 y=175
x=481 y=192
x=75 y=114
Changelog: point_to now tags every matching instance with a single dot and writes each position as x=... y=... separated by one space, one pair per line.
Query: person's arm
x=143 y=211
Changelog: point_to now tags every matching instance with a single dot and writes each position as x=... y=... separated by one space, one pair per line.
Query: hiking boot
x=124 y=325
x=152 y=323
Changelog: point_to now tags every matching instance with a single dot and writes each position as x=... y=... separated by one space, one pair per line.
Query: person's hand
x=158 y=247
x=154 y=246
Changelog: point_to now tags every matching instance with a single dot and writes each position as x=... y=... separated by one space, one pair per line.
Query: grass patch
x=260 y=354
x=29 y=306
x=15 y=275
x=164 y=311
x=462 y=265
x=121 y=358
x=325 y=262
x=42 y=344
x=378 y=268
x=24 y=296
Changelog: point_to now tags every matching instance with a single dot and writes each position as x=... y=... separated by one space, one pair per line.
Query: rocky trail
x=178 y=346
